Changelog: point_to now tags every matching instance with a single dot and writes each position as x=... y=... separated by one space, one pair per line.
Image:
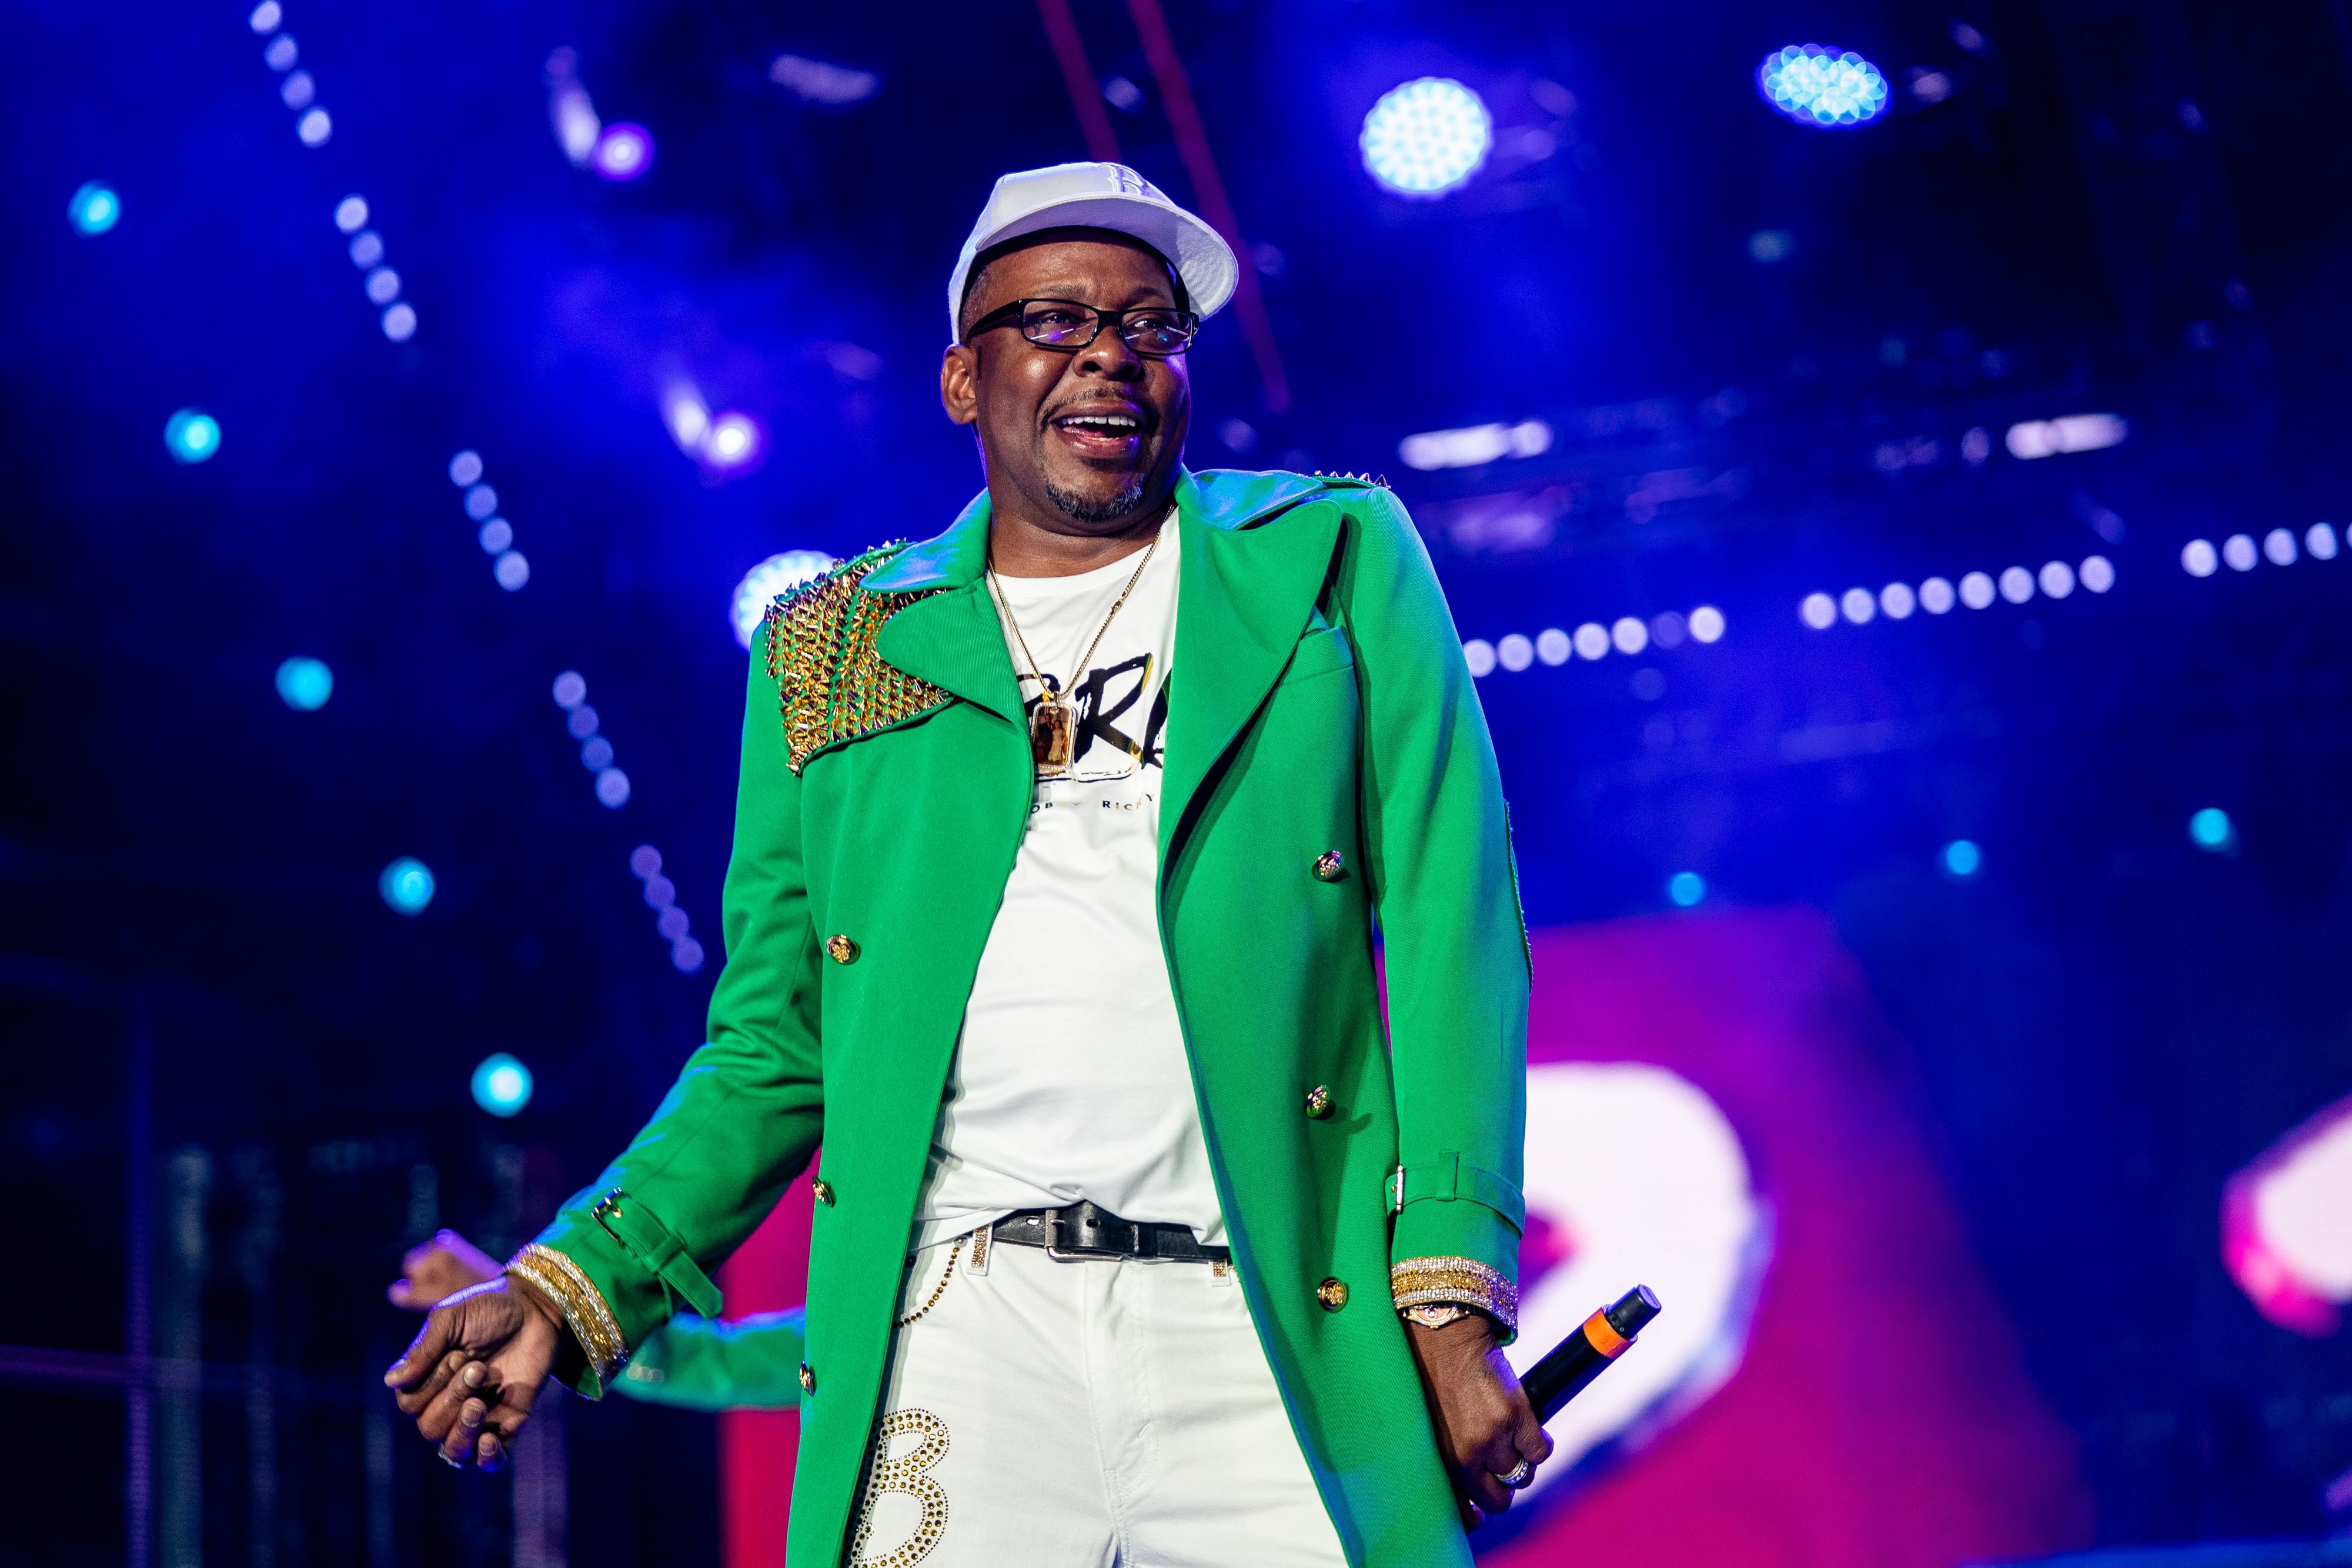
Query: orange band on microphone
x=1605 y=1338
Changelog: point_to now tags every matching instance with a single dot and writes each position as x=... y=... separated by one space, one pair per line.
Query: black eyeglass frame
x=1011 y=312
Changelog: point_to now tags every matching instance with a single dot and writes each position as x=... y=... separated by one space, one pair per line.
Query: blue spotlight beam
x=1821 y=85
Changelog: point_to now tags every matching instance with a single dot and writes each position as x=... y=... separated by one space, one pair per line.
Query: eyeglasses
x=1155 y=331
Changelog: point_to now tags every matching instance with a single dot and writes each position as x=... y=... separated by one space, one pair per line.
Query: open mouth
x=1102 y=432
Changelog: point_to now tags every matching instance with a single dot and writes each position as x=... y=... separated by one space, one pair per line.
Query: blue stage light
x=95 y=208
x=305 y=683
x=1962 y=858
x=314 y=128
x=623 y=153
x=773 y=576
x=1426 y=137
x=1813 y=85
x=501 y=1085
x=1687 y=888
x=351 y=213
x=399 y=323
x=192 y=436
x=2212 y=830
x=406 y=885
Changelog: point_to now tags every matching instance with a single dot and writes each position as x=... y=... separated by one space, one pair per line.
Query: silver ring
x=1519 y=1475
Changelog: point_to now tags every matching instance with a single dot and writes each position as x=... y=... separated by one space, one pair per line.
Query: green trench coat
x=1319 y=701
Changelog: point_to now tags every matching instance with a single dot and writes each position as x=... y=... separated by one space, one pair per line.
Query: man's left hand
x=1485 y=1426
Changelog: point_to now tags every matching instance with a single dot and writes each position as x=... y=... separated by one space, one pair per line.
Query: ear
x=960 y=383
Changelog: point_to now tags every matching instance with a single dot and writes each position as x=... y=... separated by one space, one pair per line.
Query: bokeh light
x=399 y=323
x=2320 y=542
x=2212 y=830
x=1976 y=590
x=1962 y=858
x=1819 y=612
x=497 y=536
x=1514 y=653
x=314 y=128
x=1592 y=641
x=192 y=436
x=1479 y=655
x=406 y=885
x=571 y=691
x=1426 y=137
x=306 y=684
x=266 y=16
x=734 y=441
x=511 y=570
x=466 y=469
x=1817 y=85
x=1553 y=647
x=282 y=52
x=778 y=574
x=481 y=500
x=625 y=151
x=1687 y=888
x=1706 y=625
x=94 y=208
x=1936 y=596
x=612 y=787
x=2238 y=552
x=351 y=214
x=383 y=286
x=502 y=1084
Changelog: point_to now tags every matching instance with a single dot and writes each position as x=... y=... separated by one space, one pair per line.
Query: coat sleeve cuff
x=594 y=1328
x=1457 y=1281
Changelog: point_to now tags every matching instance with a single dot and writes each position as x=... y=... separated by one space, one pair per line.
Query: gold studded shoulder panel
x=831 y=682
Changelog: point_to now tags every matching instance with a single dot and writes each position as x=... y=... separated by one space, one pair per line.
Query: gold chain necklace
x=1054 y=722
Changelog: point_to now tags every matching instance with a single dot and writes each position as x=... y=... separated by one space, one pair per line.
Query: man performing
x=1142 y=1235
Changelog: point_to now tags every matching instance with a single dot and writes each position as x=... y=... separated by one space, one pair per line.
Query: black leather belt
x=1083 y=1230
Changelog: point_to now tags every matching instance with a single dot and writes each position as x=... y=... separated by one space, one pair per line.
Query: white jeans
x=1095 y=1413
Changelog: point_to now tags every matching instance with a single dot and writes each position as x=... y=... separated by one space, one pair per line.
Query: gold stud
x=1331 y=866
x=841 y=949
x=1318 y=1100
x=1332 y=1294
x=823 y=1191
x=808 y=1379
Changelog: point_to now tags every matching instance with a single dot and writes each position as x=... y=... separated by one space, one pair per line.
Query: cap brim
x=1198 y=253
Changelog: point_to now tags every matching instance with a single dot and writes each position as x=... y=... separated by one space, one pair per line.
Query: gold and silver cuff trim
x=1456 y=1282
x=585 y=1312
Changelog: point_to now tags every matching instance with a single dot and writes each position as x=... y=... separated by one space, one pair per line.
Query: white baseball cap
x=1101 y=197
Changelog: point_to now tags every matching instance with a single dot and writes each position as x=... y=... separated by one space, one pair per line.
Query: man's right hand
x=472 y=1371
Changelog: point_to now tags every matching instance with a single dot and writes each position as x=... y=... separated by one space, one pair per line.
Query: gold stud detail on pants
x=808 y=1378
x=841 y=949
x=823 y=1190
x=1318 y=1100
x=1332 y=1294
x=1331 y=866
x=907 y=1474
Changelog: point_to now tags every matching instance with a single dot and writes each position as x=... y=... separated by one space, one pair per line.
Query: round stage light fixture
x=571 y=691
x=351 y=213
x=1592 y=641
x=282 y=52
x=2212 y=830
x=1426 y=137
x=466 y=469
x=192 y=436
x=625 y=151
x=1479 y=655
x=1962 y=858
x=95 y=208
x=399 y=323
x=2097 y=573
x=2320 y=542
x=1818 y=85
x=1687 y=889
x=1553 y=647
x=612 y=787
x=314 y=128
x=266 y=16
x=1820 y=612
x=777 y=574
x=2239 y=553
x=501 y=1085
x=511 y=570
x=1515 y=653
x=1936 y=596
x=306 y=684
x=406 y=885
x=1706 y=625
x=1976 y=590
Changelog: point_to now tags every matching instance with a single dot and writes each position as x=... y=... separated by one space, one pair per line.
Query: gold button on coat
x=808 y=1379
x=823 y=1191
x=841 y=949
x=1331 y=866
x=1318 y=1100
x=1332 y=1294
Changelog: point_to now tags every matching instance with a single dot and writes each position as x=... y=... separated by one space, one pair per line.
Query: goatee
x=1108 y=509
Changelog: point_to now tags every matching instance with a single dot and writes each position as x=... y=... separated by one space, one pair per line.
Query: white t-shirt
x=1070 y=1080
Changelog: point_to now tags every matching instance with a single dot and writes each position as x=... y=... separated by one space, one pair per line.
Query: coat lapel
x=1243 y=597
x=952 y=638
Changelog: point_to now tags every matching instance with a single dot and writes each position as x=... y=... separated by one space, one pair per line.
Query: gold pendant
x=1053 y=726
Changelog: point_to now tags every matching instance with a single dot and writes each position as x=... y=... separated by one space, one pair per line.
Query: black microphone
x=1583 y=1355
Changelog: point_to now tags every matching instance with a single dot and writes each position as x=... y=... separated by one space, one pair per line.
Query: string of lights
x=2199 y=558
x=1628 y=634
x=1937 y=595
